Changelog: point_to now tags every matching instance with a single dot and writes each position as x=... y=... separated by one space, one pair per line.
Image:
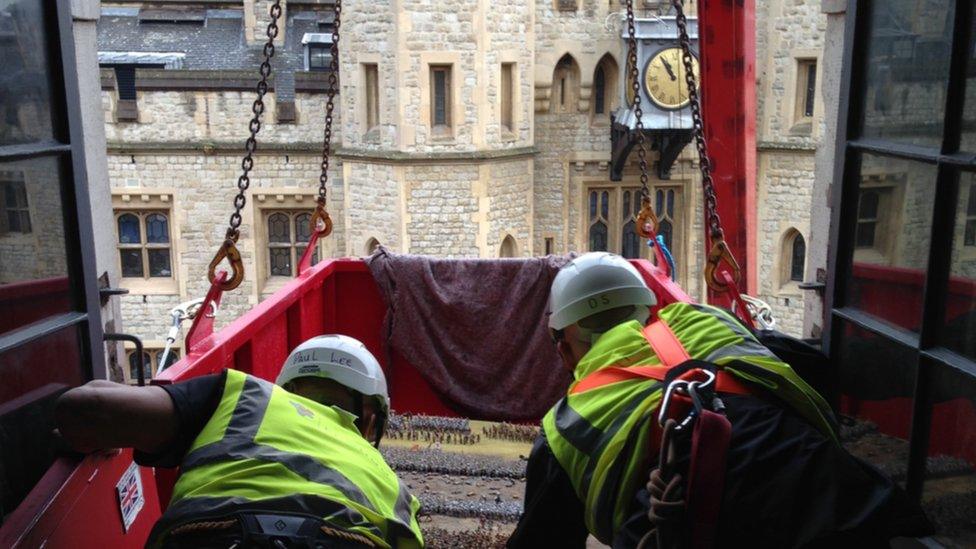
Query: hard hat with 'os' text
x=342 y=359
x=597 y=282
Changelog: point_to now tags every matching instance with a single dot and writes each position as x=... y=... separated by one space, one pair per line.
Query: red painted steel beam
x=727 y=31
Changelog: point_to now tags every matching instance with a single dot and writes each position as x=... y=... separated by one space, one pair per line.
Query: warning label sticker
x=131 y=499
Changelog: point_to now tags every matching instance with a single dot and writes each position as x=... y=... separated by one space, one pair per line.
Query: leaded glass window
x=288 y=236
x=144 y=244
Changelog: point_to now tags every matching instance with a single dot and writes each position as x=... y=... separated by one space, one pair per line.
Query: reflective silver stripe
x=302 y=465
x=403 y=512
x=746 y=349
x=606 y=501
x=750 y=346
x=249 y=411
x=725 y=318
x=238 y=444
x=208 y=508
x=244 y=422
x=576 y=429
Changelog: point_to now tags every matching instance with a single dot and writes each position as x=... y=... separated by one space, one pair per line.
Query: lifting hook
x=720 y=251
x=647 y=221
x=228 y=250
x=321 y=222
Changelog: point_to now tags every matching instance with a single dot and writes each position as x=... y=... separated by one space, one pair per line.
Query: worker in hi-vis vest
x=261 y=465
x=787 y=481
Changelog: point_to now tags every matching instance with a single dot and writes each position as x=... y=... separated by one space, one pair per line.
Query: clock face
x=664 y=79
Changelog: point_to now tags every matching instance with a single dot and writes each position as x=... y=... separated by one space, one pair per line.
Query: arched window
x=144 y=244
x=599 y=219
x=799 y=258
x=288 y=234
x=372 y=245
x=794 y=256
x=509 y=248
x=605 y=86
x=565 y=86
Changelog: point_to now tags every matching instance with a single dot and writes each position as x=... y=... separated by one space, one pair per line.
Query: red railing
x=76 y=505
x=896 y=295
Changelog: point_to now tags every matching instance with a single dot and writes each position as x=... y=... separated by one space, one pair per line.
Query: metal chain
x=698 y=128
x=244 y=181
x=330 y=105
x=634 y=75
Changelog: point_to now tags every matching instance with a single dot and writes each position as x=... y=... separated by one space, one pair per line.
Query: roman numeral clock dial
x=664 y=79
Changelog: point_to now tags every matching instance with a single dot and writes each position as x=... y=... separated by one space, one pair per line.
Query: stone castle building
x=464 y=129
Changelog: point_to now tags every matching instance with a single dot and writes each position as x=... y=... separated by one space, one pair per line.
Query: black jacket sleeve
x=195 y=401
x=553 y=515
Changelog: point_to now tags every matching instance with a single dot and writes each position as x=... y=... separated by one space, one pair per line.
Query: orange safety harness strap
x=670 y=352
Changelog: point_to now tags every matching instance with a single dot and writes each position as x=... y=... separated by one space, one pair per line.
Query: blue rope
x=667 y=253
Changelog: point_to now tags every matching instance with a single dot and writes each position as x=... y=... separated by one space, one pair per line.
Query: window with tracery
x=288 y=234
x=612 y=219
x=144 y=244
x=599 y=208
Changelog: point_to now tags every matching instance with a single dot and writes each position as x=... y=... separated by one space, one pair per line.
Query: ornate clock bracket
x=668 y=142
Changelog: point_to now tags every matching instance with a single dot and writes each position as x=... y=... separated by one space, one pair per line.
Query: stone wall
x=373 y=206
x=786 y=33
x=369 y=35
x=212 y=118
x=202 y=187
x=510 y=205
x=442 y=210
x=784 y=207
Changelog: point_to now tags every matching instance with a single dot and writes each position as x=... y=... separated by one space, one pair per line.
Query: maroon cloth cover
x=476 y=330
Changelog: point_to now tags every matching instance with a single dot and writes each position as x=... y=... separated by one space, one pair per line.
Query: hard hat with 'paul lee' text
x=597 y=282
x=342 y=359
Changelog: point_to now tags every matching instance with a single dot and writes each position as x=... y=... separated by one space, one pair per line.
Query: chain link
x=330 y=105
x=244 y=181
x=698 y=128
x=634 y=76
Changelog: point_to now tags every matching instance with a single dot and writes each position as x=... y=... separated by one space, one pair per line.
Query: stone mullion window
x=598 y=225
x=664 y=205
x=611 y=219
x=288 y=234
x=144 y=244
x=151 y=361
x=629 y=241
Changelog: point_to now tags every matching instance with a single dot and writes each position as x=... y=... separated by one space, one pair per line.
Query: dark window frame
x=68 y=150
x=297 y=221
x=441 y=124
x=326 y=49
x=144 y=245
x=951 y=162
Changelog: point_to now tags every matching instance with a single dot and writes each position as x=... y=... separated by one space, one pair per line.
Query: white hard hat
x=597 y=282
x=342 y=359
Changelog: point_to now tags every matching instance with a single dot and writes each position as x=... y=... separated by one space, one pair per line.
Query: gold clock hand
x=667 y=67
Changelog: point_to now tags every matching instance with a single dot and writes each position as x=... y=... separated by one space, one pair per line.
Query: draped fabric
x=476 y=330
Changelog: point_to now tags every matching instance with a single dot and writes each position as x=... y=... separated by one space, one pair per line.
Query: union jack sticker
x=130 y=494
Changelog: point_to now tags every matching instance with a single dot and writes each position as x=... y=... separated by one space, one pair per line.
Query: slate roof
x=210 y=39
